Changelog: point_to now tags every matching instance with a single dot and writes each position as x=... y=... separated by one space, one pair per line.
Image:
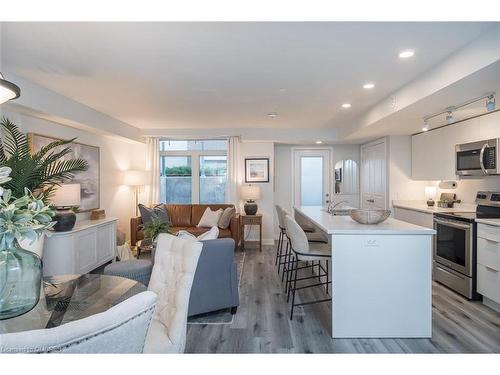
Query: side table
x=250 y=220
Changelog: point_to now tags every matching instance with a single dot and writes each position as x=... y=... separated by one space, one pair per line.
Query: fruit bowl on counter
x=369 y=216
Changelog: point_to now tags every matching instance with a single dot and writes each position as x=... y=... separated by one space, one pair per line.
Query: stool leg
x=278 y=249
x=296 y=264
x=286 y=265
x=280 y=262
x=293 y=273
x=327 y=277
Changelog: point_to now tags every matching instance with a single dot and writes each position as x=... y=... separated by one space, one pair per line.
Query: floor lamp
x=136 y=179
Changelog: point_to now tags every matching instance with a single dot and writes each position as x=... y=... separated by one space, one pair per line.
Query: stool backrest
x=279 y=211
x=297 y=235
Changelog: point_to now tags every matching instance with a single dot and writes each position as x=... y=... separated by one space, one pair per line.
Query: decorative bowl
x=369 y=216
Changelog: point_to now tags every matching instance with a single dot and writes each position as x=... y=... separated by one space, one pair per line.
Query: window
x=193 y=171
x=213 y=176
x=176 y=180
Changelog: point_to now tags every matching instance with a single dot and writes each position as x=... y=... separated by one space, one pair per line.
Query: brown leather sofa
x=185 y=217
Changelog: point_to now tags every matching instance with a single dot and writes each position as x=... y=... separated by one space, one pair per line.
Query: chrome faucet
x=332 y=206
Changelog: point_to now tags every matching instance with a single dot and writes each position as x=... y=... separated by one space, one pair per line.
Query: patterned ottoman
x=135 y=269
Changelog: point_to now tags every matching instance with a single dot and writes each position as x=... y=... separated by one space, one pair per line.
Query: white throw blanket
x=212 y=234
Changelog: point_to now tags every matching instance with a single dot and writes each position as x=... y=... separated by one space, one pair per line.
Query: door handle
x=481 y=157
x=371 y=200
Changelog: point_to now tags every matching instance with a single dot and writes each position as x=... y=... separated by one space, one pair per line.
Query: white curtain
x=233 y=156
x=153 y=166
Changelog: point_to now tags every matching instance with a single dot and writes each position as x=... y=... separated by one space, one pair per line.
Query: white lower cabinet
x=488 y=264
x=414 y=217
x=89 y=245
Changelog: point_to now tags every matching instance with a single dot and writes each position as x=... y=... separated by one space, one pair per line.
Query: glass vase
x=20 y=280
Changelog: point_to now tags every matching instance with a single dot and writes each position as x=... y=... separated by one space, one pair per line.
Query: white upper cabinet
x=489 y=126
x=433 y=152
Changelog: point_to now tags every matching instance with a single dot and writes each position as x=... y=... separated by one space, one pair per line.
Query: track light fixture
x=426 y=126
x=449 y=117
x=490 y=103
x=490 y=106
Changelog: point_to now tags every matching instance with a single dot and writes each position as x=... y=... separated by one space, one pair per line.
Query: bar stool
x=284 y=258
x=304 y=251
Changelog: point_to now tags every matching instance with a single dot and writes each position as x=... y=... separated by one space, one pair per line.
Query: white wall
x=115 y=156
x=283 y=173
x=401 y=186
x=266 y=203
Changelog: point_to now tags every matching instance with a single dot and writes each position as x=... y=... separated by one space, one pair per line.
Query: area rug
x=221 y=316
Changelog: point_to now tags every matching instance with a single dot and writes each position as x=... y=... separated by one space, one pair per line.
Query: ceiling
x=410 y=119
x=228 y=75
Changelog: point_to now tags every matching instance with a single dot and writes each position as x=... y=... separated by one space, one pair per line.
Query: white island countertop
x=331 y=224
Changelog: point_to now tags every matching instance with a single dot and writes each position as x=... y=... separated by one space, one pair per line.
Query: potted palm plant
x=41 y=172
x=28 y=180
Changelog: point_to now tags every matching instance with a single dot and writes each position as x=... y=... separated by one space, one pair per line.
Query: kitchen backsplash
x=467 y=188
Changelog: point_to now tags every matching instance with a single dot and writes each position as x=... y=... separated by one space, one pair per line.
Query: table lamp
x=250 y=193
x=430 y=194
x=137 y=179
x=65 y=198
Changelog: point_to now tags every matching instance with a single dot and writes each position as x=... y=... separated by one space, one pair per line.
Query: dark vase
x=20 y=281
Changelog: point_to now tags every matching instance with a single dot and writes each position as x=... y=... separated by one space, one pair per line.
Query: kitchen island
x=381 y=276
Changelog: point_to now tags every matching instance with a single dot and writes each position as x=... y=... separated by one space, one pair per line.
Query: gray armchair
x=215 y=284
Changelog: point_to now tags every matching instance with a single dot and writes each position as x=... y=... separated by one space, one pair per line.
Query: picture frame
x=89 y=180
x=256 y=170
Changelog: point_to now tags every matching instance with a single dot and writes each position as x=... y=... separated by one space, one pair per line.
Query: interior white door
x=312 y=176
x=374 y=175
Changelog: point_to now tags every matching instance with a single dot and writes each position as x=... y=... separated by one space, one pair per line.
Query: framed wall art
x=256 y=170
x=89 y=179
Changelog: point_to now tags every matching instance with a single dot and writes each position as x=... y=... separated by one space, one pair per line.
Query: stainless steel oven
x=478 y=158
x=455 y=252
x=453 y=244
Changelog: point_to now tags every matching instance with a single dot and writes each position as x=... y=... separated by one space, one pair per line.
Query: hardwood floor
x=262 y=323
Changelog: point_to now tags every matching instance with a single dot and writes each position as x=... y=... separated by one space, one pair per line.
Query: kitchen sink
x=339 y=212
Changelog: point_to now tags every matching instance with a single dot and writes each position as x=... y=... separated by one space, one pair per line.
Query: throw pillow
x=226 y=217
x=210 y=218
x=158 y=211
x=212 y=234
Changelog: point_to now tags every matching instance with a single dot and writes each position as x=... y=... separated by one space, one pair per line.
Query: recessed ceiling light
x=368 y=86
x=272 y=115
x=346 y=105
x=406 y=53
x=319 y=142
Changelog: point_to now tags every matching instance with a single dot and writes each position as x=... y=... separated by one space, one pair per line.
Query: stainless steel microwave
x=478 y=158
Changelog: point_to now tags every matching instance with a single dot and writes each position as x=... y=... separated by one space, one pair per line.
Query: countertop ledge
x=345 y=225
x=494 y=222
x=421 y=206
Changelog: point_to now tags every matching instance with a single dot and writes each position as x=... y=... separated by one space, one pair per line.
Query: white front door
x=374 y=175
x=311 y=181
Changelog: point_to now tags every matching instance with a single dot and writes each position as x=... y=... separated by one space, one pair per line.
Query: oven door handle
x=481 y=158
x=452 y=224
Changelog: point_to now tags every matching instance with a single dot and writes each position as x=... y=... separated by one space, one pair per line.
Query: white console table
x=89 y=245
